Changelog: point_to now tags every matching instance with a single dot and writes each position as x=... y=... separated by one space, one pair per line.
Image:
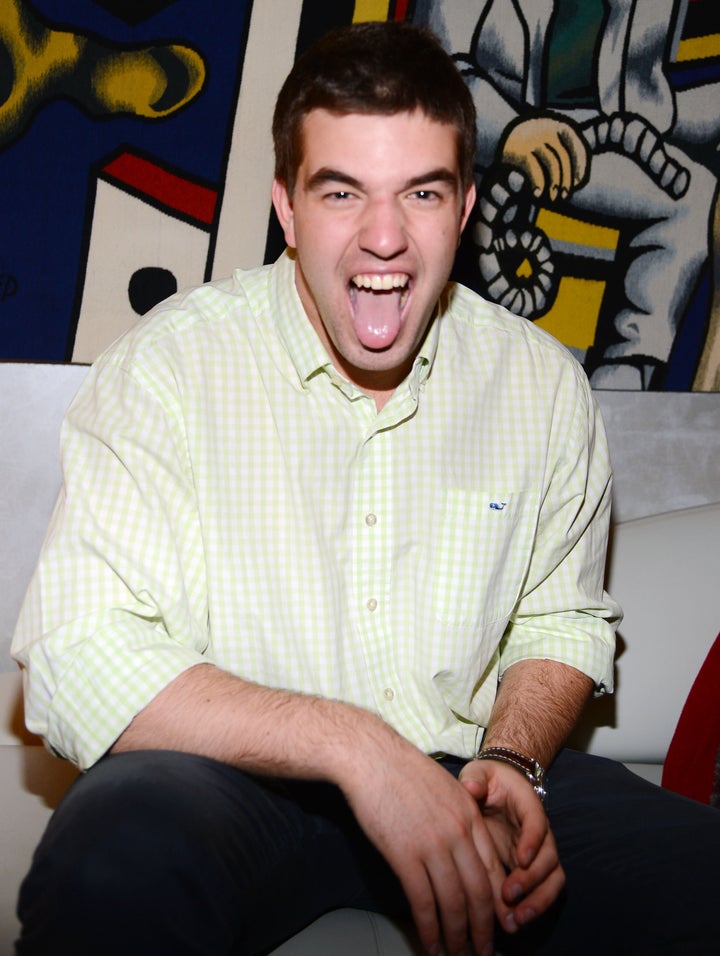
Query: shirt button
x=389 y=693
x=371 y=604
x=370 y=520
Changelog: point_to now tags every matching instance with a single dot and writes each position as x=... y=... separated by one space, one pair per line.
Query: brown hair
x=377 y=67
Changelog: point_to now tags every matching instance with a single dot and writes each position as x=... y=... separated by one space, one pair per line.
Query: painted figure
x=575 y=100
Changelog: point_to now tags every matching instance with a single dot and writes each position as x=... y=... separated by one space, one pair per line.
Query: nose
x=382 y=229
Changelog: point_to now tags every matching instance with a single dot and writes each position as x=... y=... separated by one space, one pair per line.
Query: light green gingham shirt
x=228 y=497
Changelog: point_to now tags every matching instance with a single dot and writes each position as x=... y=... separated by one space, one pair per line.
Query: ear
x=467 y=205
x=284 y=210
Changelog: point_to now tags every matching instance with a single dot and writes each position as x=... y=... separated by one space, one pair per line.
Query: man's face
x=375 y=219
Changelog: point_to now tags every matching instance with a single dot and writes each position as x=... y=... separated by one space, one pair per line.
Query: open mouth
x=378 y=301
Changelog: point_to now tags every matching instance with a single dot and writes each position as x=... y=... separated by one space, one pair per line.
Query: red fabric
x=690 y=762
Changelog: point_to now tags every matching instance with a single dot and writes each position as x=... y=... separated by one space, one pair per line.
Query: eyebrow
x=326 y=174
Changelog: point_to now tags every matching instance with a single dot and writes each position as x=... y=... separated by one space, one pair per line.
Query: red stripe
x=175 y=192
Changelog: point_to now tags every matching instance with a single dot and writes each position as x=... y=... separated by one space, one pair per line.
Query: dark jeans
x=165 y=853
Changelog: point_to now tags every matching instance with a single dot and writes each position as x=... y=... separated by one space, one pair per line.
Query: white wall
x=33 y=399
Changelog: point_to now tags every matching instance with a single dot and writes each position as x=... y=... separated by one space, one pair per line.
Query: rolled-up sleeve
x=117 y=607
x=564 y=613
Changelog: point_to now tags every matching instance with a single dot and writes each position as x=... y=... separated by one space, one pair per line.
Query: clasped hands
x=466 y=851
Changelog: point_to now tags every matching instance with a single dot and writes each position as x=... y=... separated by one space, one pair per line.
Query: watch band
x=527 y=766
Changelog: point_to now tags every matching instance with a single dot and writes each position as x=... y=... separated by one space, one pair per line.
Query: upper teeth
x=391 y=280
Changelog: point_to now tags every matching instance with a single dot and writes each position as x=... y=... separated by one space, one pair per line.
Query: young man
x=323 y=524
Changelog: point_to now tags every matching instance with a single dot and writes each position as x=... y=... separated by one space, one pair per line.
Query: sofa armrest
x=664 y=572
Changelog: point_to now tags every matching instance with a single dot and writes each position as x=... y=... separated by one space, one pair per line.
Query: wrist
x=529 y=767
x=363 y=742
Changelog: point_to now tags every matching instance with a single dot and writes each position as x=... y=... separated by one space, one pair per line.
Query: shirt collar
x=305 y=349
x=303 y=346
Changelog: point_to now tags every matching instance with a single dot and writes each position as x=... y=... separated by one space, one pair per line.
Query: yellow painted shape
x=698 y=48
x=366 y=10
x=524 y=270
x=555 y=225
x=38 y=60
x=574 y=315
x=133 y=81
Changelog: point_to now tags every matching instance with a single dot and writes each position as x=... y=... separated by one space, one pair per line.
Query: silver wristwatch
x=526 y=765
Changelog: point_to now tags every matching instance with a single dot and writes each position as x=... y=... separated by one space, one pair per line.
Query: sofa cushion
x=353 y=933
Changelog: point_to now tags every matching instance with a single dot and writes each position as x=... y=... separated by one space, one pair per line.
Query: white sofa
x=663 y=569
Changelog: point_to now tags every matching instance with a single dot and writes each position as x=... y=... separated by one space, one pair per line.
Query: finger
x=532 y=892
x=549 y=159
x=492 y=845
x=453 y=908
x=464 y=898
x=521 y=881
x=494 y=868
x=476 y=788
x=536 y=902
x=532 y=827
x=421 y=899
x=566 y=166
x=535 y=172
x=481 y=887
x=533 y=834
x=465 y=888
x=578 y=155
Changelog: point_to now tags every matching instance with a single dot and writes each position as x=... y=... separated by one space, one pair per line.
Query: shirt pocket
x=482 y=555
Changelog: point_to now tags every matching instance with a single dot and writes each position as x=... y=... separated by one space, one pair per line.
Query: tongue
x=376 y=316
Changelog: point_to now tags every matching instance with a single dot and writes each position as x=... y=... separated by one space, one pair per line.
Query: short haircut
x=373 y=68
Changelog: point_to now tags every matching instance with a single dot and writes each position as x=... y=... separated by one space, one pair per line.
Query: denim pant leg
x=642 y=866
x=169 y=853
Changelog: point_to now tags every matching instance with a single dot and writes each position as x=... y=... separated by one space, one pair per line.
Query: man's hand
x=521 y=834
x=537 y=703
x=450 y=842
x=425 y=823
x=471 y=849
x=430 y=829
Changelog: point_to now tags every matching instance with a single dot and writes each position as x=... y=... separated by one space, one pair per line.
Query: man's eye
x=339 y=195
x=426 y=195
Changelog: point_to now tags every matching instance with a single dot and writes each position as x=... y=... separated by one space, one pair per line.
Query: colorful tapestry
x=135 y=159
